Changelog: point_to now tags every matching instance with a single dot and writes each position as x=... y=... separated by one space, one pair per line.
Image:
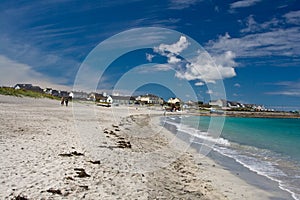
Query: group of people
x=64 y=100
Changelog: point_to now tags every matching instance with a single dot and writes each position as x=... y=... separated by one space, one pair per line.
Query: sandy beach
x=83 y=151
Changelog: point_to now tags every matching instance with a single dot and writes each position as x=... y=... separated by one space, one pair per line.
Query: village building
x=93 y=96
x=190 y=105
x=48 y=90
x=105 y=99
x=29 y=87
x=221 y=103
x=123 y=100
x=63 y=93
x=174 y=101
x=78 y=95
x=234 y=104
x=150 y=99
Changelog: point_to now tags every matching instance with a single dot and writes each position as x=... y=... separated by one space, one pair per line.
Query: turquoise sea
x=268 y=147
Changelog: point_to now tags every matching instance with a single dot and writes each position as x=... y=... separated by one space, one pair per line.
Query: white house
x=174 y=101
x=218 y=103
x=150 y=99
x=106 y=99
x=78 y=95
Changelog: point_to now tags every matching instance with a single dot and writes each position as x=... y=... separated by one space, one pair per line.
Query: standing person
x=66 y=100
x=62 y=101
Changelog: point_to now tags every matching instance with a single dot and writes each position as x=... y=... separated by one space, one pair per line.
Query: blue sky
x=254 y=43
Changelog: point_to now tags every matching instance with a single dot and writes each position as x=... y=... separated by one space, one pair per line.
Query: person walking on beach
x=66 y=101
x=62 y=101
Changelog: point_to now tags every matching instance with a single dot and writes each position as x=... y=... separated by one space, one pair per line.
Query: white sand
x=41 y=145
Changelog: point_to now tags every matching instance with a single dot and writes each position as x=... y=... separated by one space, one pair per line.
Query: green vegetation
x=24 y=93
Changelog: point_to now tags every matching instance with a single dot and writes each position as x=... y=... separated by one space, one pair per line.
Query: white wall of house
x=218 y=103
x=174 y=100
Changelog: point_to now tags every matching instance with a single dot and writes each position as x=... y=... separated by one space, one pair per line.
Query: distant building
x=175 y=104
x=174 y=101
x=48 y=90
x=102 y=98
x=54 y=93
x=150 y=99
x=190 y=104
x=93 y=96
x=78 y=95
x=218 y=103
x=105 y=99
x=234 y=104
x=123 y=100
x=63 y=94
x=23 y=86
x=29 y=87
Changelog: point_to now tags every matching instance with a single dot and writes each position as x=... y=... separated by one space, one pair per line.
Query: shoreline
x=241 y=171
x=128 y=156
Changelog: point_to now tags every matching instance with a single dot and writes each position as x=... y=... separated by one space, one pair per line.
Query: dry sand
x=49 y=152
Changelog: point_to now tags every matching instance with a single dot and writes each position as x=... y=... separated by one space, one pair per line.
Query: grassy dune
x=24 y=93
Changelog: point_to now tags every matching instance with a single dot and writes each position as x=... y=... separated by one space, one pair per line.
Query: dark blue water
x=269 y=147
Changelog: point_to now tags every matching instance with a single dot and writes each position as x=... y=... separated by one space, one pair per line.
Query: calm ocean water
x=269 y=147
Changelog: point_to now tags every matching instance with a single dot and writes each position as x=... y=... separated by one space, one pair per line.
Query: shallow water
x=269 y=147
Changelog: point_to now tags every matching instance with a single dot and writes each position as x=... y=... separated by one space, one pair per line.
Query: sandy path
x=43 y=156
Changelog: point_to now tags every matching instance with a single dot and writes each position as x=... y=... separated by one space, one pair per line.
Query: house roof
x=24 y=86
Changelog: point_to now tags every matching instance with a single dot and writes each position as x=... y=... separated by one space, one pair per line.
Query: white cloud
x=237 y=85
x=293 y=17
x=209 y=92
x=199 y=84
x=243 y=3
x=265 y=39
x=252 y=26
x=172 y=50
x=279 y=42
x=217 y=9
x=286 y=93
x=287 y=88
x=182 y=4
x=149 y=57
x=175 y=48
x=153 y=68
x=209 y=69
x=13 y=72
x=200 y=68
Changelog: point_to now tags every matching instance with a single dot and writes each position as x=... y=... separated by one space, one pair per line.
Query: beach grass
x=24 y=93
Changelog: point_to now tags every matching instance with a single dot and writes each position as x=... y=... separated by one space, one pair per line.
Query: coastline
x=238 y=170
x=44 y=156
x=249 y=114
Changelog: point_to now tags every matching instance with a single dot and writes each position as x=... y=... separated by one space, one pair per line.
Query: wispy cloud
x=149 y=57
x=237 y=85
x=146 y=69
x=199 y=84
x=209 y=92
x=13 y=72
x=295 y=93
x=277 y=37
x=182 y=4
x=287 y=88
x=279 y=42
x=243 y=3
x=252 y=26
x=293 y=17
